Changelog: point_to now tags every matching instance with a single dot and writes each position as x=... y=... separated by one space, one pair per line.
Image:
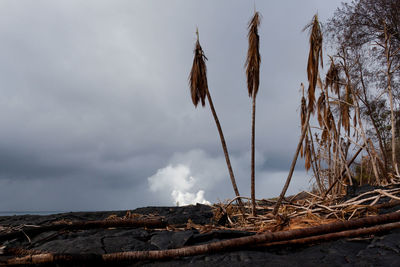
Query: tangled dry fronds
x=307 y=209
x=253 y=59
x=198 y=75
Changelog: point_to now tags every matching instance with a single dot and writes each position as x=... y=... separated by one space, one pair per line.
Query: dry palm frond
x=303 y=113
x=321 y=109
x=198 y=75
x=253 y=59
x=330 y=123
x=345 y=110
x=303 y=118
x=324 y=136
x=315 y=54
x=346 y=117
x=332 y=79
x=307 y=153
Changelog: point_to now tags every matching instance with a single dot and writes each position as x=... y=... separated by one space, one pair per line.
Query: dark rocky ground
x=382 y=250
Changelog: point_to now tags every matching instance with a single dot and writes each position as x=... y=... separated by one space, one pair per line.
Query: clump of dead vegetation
x=306 y=209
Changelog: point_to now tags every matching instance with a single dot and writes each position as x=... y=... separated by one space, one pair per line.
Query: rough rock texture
x=381 y=250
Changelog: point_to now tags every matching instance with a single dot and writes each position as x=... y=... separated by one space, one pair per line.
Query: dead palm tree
x=253 y=81
x=314 y=57
x=199 y=90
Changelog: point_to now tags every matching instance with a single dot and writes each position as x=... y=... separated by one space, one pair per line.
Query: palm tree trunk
x=228 y=162
x=296 y=155
x=253 y=133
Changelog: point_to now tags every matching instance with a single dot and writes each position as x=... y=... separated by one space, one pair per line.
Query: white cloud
x=176 y=177
x=191 y=177
x=186 y=198
x=175 y=185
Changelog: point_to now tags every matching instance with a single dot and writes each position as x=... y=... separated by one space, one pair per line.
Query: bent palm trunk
x=226 y=153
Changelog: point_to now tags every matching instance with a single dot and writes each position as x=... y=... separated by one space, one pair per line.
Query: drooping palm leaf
x=314 y=59
x=199 y=91
x=332 y=79
x=252 y=66
x=321 y=109
x=253 y=59
x=198 y=76
x=307 y=153
x=345 y=110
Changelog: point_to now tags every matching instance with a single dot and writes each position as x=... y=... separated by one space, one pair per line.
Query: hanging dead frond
x=198 y=75
x=345 y=110
x=321 y=109
x=303 y=113
x=314 y=57
x=332 y=79
x=253 y=59
x=307 y=153
x=324 y=136
x=303 y=116
x=330 y=121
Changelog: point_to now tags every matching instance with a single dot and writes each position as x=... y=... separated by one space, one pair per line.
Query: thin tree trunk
x=370 y=149
x=292 y=166
x=330 y=163
x=358 y=115
x=224 y=147
x=344 y=172
x=253 y=134
x=314 y=163
x=343 y=162
x=388 y=55
x=374 y=124
x=241 y=242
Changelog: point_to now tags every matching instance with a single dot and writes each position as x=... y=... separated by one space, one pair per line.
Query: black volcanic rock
x=383 y=250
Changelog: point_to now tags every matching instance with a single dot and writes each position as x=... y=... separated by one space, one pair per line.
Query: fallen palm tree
x=379 y=229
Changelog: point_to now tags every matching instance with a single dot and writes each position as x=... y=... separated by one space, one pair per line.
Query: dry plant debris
x=305 y=210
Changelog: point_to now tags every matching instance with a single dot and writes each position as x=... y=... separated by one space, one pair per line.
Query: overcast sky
x=95 y=111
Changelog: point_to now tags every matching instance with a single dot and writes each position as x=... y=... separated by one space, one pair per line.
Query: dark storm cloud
x=94 y=96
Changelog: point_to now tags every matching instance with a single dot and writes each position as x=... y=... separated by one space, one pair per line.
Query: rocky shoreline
x=373 y=250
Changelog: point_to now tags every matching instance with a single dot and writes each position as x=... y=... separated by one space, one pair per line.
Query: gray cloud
x=94 y=97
